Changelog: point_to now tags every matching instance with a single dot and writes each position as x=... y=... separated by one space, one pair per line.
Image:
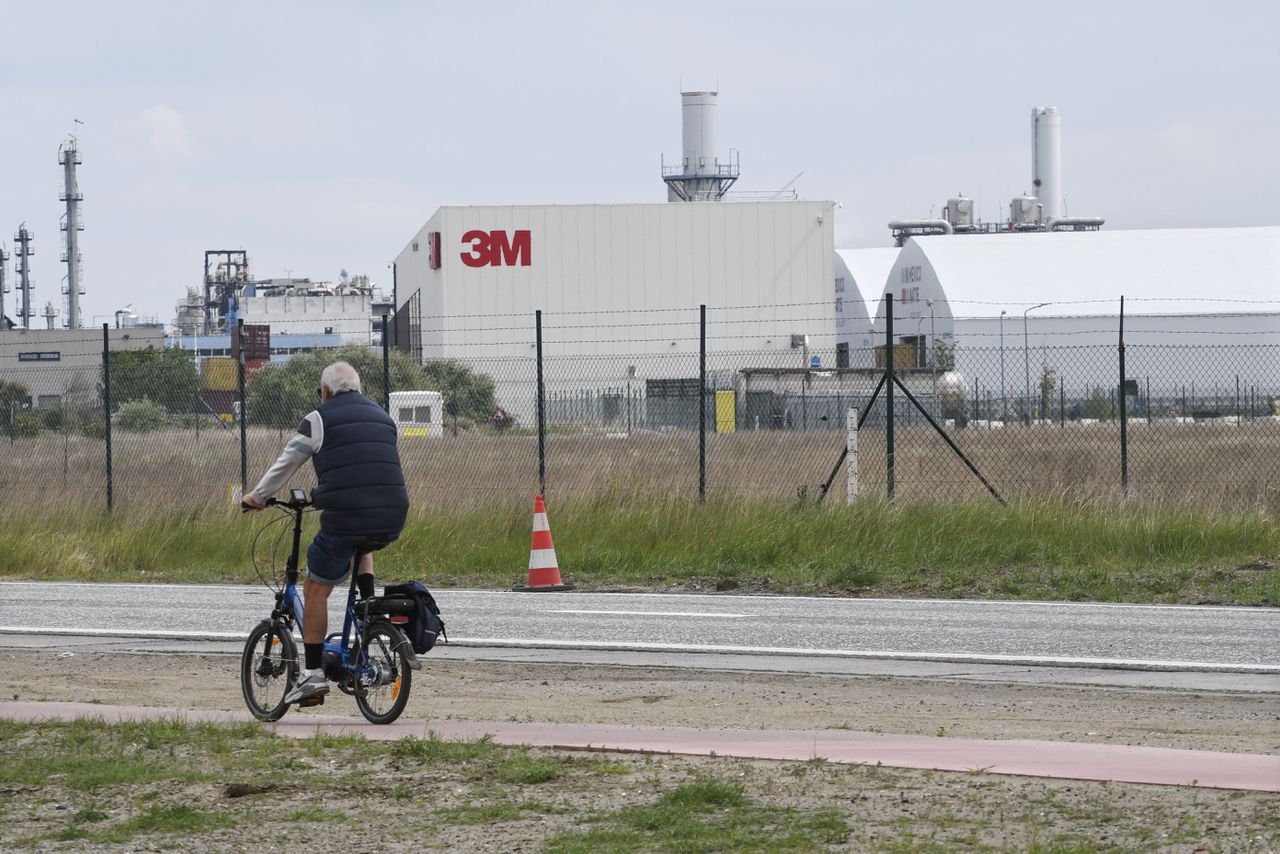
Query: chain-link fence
x=600 y=405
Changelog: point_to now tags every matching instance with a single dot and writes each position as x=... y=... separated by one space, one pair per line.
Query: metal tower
x=69 y=158
x=226 y=273
x=23 y=252
x=4 y=282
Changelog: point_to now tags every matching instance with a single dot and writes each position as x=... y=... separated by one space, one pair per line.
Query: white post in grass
x=851 y=421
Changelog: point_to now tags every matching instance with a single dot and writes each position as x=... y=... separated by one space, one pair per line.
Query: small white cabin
x=418 y=414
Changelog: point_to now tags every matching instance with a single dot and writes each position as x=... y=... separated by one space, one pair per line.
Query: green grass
x=1053 y=550
x=211 y=787
x=149 y=769
x=705 y=815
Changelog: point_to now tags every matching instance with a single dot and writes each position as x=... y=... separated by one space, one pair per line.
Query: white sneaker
x=309 y=684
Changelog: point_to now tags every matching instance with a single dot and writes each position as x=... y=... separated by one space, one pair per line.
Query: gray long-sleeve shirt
x=302 y=446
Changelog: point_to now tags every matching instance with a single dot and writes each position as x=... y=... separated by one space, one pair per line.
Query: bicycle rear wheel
x=268 y=667
x=383 y=677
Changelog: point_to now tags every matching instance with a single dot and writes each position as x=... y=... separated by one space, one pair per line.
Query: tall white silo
x=1046 y=161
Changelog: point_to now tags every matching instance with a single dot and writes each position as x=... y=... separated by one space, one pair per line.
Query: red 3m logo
x=497 y=249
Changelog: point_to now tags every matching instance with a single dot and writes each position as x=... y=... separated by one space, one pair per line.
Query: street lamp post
x=1004 y=401
x=1026 y=358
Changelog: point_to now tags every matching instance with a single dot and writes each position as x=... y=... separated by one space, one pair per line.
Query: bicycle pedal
x=311 y=701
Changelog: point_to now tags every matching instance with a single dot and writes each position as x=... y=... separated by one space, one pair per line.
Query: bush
x=141 y=416
x=281 y=395
x=56 y=419
x=191 y=422
x=27 y=424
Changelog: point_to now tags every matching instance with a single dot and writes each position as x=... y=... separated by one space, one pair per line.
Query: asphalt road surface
x=1124 y=637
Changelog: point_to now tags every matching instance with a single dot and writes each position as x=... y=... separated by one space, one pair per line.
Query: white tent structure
x=859 y=273
x=1202 y=308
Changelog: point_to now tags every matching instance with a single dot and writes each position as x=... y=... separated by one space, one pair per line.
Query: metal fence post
x=888 y=391
x=106 y=408
x=542 y=416
x=244 y=411
x=702 y=403
x=1124 y=412
x=386 y=368
x=851 y=444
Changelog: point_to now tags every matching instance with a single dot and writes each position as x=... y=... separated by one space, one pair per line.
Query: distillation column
x=69 y=158
x=23 y=252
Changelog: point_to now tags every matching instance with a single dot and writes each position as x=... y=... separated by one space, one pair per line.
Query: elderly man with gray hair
x=360 y=492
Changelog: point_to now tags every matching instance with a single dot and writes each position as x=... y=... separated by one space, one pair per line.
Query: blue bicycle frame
x=290 y=609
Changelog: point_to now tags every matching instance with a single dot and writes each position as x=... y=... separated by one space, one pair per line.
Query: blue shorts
x=329 y=555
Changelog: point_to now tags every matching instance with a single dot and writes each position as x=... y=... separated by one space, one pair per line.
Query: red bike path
x=1059 y=759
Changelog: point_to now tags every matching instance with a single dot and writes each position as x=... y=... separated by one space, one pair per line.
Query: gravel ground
x=885 y=809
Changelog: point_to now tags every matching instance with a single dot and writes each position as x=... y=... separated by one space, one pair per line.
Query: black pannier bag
x=424 y=625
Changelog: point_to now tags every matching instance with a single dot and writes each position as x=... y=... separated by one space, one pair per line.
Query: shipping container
x=218 y=373
x=257 y=340
x=220 y=403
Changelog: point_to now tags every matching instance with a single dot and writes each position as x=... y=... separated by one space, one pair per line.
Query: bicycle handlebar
x=292 y=504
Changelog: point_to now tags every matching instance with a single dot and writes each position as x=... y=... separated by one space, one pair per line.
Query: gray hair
x=340 y=377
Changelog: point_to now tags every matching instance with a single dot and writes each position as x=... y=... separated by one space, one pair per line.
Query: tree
x=1097 y=406
x=1048 y=382
x=13 y=396
x=281 y=395
x=944 y=355
x=165 y=377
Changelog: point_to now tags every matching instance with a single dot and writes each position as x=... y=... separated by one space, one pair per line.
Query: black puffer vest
x=361 y=487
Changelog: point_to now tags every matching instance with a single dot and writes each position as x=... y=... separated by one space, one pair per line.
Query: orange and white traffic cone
x=544 y=572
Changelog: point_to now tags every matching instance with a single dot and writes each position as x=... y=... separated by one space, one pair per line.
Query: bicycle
x=370 y=659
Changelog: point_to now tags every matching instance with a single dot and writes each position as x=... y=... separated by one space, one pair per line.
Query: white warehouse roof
x=1165 y=271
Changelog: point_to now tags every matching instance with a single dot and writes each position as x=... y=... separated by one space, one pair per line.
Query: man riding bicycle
x=360 y=492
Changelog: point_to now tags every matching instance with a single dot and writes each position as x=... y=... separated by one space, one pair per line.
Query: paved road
x=1144 y=638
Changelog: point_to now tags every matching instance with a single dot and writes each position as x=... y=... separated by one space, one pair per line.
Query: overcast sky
x=321 y=135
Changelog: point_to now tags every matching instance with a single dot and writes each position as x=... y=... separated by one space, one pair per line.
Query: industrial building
x=59 y=366
x=469 y=281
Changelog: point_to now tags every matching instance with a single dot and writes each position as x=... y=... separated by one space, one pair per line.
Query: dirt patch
x=526 y=692
x=399 y=806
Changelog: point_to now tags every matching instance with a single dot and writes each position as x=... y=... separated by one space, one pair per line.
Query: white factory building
x=620 y=285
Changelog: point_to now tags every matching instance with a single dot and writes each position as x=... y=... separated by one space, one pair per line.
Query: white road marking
x=654 y=613
x=895 y=655
x=1260 y=611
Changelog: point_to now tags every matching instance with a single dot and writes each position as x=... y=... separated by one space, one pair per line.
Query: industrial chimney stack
x=700 y=177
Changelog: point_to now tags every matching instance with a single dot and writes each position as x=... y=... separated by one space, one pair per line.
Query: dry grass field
x=1219 y=467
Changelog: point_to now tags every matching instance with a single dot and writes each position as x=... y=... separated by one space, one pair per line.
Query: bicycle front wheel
x=268 y=667
x=383 y=675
